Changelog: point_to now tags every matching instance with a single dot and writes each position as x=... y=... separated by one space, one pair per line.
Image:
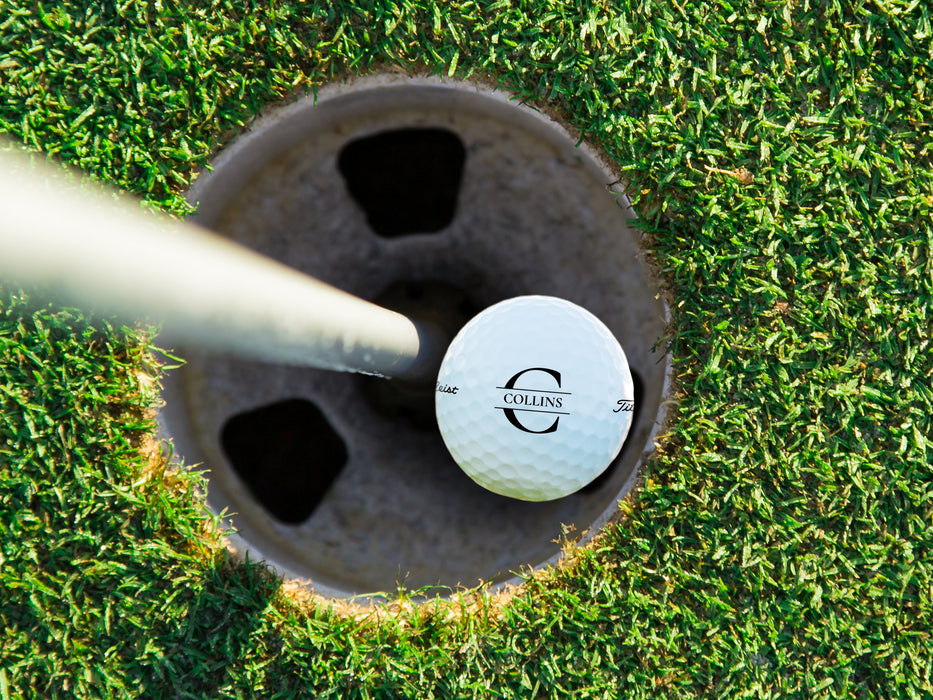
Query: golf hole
x=343 y=481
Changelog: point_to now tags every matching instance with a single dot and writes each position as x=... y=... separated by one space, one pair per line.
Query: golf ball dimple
x=534 y=398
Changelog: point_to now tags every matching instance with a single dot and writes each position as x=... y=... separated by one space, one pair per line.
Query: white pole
x=98 y=251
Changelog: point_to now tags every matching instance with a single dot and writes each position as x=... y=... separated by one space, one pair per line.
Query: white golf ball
x=534 y=398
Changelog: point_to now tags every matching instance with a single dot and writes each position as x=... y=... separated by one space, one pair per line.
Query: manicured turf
x=780 y=156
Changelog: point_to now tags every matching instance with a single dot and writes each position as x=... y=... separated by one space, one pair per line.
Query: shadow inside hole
x=599 y=481
x=406 y=180
x=287 y=454
x=439 y=303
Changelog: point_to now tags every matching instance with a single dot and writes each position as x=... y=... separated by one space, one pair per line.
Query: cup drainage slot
x=406 y=180
x=287 y=454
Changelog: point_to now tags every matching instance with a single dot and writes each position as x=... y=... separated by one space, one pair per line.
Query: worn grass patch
x=780 y=157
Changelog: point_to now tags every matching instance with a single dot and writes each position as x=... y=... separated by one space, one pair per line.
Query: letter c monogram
x=510 y=412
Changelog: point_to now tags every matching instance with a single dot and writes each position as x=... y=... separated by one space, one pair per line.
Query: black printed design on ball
x=518 y=399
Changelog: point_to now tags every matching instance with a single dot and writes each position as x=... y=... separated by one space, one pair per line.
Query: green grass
x=780 y=157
